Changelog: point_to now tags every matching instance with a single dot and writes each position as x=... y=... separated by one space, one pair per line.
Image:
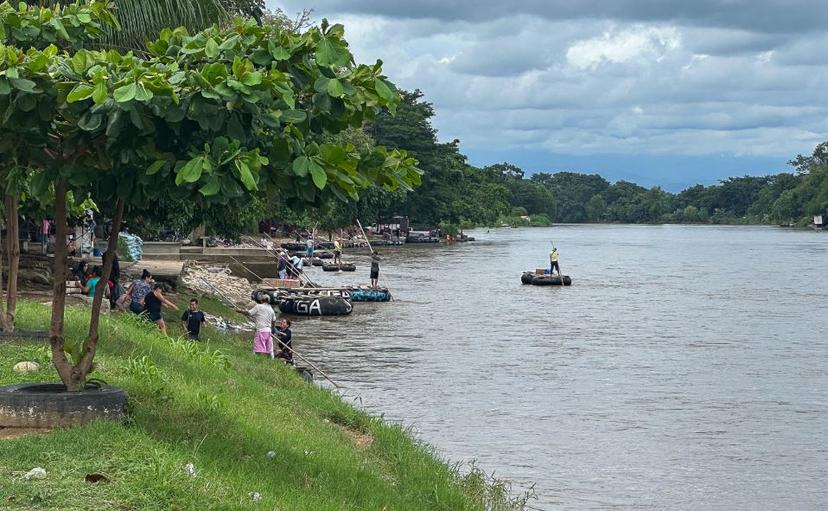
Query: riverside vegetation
x=251 y=428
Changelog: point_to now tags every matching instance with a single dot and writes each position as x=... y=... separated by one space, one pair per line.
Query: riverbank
x=255 y=433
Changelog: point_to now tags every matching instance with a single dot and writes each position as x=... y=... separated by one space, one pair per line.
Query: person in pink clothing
x=264 y=317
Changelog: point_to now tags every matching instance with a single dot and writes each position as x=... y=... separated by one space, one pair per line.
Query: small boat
x=339 y=267
x=314 y=305
x=536 y=279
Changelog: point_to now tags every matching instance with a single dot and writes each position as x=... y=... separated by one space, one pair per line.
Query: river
x=685 y=368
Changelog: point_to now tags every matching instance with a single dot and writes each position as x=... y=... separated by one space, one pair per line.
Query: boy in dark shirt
x=192 y=319
x=283 y=334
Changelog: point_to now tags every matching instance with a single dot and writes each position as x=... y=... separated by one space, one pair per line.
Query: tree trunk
x=56 y=340
x=1 y=274
x=13 y=255
x=90 y=346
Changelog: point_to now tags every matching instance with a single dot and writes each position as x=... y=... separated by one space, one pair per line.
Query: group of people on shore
x=87 y=277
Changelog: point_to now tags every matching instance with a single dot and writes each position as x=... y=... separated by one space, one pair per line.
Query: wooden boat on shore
x=536 y=279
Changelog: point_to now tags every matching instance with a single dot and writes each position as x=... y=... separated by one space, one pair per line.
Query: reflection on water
x=686 y=368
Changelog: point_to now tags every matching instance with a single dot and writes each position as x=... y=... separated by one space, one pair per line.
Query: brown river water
x=685 y=368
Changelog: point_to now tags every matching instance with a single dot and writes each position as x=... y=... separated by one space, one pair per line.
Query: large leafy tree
x=26 y=115
x=223 y=116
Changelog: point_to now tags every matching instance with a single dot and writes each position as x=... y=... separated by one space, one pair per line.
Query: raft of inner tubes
x=311 y=305
x=315 y=261
x=339 y=267
x=369 y=295
x=545 y=280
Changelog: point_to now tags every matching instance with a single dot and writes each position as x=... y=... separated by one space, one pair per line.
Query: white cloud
x=639 y=43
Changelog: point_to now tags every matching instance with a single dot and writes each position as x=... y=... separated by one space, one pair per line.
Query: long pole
x=227 y=300
x=302 y=276
x=307 y=361
x=246 y=268
x=365 y=235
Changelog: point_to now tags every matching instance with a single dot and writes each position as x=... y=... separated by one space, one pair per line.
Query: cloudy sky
x=661 y=92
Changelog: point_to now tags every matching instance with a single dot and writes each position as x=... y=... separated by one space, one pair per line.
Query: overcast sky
x=661 y=92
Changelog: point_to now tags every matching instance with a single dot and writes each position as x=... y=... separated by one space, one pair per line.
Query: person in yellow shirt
x=553 y=262
x=337 y=251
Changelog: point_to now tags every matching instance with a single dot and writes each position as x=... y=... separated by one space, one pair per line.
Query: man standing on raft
x=553 y=261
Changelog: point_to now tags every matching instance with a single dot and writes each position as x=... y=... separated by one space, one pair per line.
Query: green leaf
x=190 y=172
x=90 y=122
x=331 y=53
x=155 y=167
x=80 y=92
x=212 y=187
x=100 y=94
x=277 y=52
x=23 y=84
x=229 y=43
x=301 y=166
x=84 y=17
x=335 y=88
x=321 y=84
x=254 y=78
x=384 y=91
x=142 y=93
x=4 y=87
x=294 y=116
x=320 y=178
x=211 y=48
x=246 y=176
x=125 y=93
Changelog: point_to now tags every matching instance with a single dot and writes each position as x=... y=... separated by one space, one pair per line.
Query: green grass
x=215 y=405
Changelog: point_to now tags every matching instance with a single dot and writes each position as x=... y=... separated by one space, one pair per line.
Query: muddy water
x=686 y=368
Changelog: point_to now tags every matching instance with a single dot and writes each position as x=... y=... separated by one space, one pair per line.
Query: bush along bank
x=213 y=427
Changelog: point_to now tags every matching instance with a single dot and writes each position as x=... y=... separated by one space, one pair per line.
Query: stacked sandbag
x=130 y=247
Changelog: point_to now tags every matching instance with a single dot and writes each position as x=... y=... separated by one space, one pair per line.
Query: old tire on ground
x=49 y=405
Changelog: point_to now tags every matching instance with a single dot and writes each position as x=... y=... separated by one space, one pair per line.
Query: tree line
x=456 y=193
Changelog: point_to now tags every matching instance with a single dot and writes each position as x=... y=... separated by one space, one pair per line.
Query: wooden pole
x=365 y=235
x=308 y=362
x=246 y=268
x=301 y=275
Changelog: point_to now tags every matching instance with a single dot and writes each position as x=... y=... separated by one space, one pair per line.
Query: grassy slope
x=218 y=407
